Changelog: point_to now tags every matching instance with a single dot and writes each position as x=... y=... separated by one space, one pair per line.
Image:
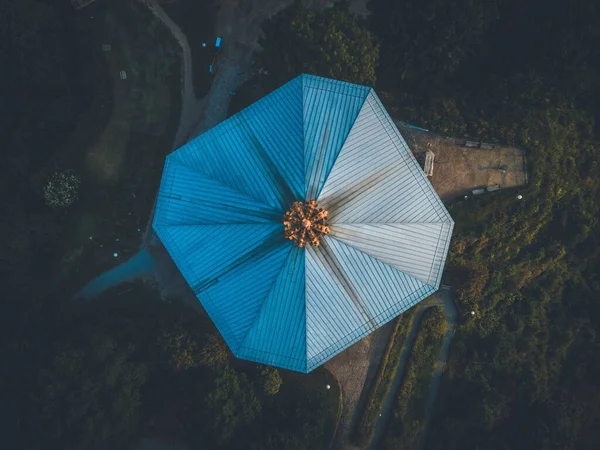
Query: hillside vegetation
x=522 y=372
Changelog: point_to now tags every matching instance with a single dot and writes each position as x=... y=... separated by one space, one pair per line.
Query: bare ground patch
x=459 y=169
x=354 y=368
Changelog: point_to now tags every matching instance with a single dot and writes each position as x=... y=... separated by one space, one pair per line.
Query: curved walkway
x=386 y=411
x=139 y=264
x=190 y=107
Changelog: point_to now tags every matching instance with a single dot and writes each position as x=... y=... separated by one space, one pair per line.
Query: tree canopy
x=521 y=73
x=330 y=43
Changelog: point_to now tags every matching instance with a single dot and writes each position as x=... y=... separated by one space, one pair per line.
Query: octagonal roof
x=220 y=209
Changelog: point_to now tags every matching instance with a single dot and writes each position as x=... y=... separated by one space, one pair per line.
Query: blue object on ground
x=218 y=42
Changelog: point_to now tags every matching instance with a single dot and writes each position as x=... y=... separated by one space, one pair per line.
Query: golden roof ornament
x=305 y=223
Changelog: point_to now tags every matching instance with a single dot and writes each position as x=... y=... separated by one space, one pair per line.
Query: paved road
x=441 y=298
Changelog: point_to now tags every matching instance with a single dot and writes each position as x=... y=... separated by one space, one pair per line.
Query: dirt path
x=239 y=24
x=191 y=108
x=354 y=369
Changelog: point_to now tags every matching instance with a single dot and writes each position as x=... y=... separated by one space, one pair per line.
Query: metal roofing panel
x=276 y=121
x=348 y=295
x=189 y=198
x=219 y=214
x=212 y=250
x=235 y=298
x=278 y=334
x=335 y=314
x=228 y=153
x=376 y=179
x=330 y=109
x=417 y=249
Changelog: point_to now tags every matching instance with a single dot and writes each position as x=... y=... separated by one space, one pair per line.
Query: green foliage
x=180 y=348
x=270 y=380
x=382 y=382
x=214 y=353
x=529 y=269
x=231 y=406
x=61 y=190
x=330 y=43
x=423 y=43
x=88 y=395
x=410 y=405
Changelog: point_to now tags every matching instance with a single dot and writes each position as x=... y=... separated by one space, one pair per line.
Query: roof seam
x=425 y=287
x=265 y=300
x=408 y=163
x=377 y=259
x=182 y=164
x=343 y=144
x=303 y=76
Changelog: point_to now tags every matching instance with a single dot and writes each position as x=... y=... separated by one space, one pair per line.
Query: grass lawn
x=197 y=19
x=104 y=159
x=121 y=169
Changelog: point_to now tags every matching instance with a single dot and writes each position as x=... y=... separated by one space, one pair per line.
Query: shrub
x=270 y=380
x=62 y=189
x=214 y=354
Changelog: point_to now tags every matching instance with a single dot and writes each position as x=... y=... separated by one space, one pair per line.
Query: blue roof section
x=219 y=214
x=278 y=334
x=276 y=122
x=235 y=299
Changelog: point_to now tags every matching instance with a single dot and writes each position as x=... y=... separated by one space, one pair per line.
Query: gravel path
x=354 y=369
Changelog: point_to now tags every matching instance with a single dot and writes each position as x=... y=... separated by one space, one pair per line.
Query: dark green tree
x=270 y=380
x=424 y=41
x=214 y=354
x=87 y=396
x=180 y=348
x=330 y=43
x=230 y=406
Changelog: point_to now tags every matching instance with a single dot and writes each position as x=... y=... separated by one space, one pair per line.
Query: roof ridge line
x=391 y=223
x=344 y=143
x=380 y=261
x=200 y=174
x=242 y=344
